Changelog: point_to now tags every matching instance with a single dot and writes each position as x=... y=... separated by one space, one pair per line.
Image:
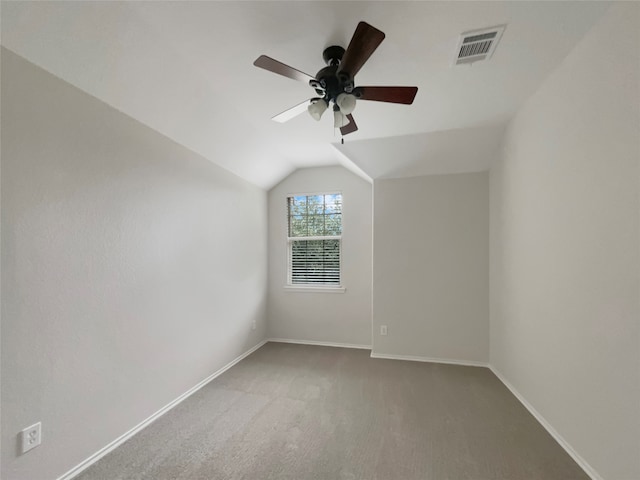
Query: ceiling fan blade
x=291 y=112
x=403 y=95
x=363 y=43
x=280 y=68
x=349 y=127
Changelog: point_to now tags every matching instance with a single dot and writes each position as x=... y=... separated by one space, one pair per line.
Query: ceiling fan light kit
x=339 y=119
x=316 y=108
x=335 y=83
x=346 y=102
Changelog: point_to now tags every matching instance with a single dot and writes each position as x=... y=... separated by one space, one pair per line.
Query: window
x=315 y=236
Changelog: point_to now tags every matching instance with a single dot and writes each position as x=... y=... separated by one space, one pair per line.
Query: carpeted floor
x=309 y=413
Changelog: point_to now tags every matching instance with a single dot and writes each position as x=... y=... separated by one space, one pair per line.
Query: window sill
x=313 y=289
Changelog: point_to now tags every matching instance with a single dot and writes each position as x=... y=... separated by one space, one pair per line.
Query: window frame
x=311 y=287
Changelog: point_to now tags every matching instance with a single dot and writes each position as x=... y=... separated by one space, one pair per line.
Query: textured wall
x=325 y=317
x=431 y=266
x=564 y=248
x=132 y=269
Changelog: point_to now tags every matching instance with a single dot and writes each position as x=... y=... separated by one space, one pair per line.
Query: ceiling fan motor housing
x=328 y=82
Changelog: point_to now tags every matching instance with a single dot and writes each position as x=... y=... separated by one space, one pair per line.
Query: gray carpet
x=307 y=412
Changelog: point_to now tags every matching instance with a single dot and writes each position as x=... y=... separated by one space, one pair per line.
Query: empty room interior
x=320 y=240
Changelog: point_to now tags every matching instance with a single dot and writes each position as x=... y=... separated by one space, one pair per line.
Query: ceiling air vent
x=478 y=44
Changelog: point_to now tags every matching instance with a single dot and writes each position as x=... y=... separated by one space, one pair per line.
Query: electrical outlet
x=383 y=329
x=31 y=437
x=253 y=325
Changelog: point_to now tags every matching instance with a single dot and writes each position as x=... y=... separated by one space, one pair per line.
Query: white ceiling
x=185 y=69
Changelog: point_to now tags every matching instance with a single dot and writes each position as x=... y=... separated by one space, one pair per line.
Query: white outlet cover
x=383 y=329
x=31 y=437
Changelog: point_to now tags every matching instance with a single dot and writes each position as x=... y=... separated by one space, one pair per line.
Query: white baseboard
x=589 y=470
x=126 y=436
x=322 y=344
x=413 y=358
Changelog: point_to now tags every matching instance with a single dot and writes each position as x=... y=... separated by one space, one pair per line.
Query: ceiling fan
x=335 y=83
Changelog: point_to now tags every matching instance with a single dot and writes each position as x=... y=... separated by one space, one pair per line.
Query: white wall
x=431 y=267
x=565 y=315
x=323 y=317
x=132 y=269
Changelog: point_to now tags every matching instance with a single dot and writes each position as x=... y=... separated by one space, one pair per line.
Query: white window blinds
x=314 y=236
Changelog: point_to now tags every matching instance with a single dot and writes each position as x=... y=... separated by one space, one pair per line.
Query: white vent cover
x=478 y=44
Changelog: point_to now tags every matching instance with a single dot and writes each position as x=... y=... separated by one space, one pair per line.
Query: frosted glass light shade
x=317 y=108
x=346 y=102
x=339 y=119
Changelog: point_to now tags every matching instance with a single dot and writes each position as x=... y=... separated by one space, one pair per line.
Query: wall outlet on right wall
x=30 y=437
x=383 y=329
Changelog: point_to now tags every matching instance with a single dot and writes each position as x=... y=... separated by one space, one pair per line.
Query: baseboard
x=413 y=358
x=126 y=436
x=322 y=344
x=589 y=470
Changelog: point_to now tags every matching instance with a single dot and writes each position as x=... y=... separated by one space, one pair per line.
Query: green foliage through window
x=315 y=215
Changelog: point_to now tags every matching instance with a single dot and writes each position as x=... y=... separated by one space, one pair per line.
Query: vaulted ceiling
x=185 y=69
